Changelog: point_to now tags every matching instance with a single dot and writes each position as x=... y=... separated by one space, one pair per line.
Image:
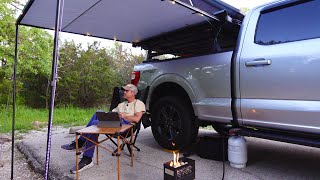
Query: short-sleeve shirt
x=130 y=108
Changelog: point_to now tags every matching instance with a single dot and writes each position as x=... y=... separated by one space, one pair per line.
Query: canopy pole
x=14 y=96
x=53 y=82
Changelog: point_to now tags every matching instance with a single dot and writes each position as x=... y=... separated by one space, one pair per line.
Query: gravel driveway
x=22 y=170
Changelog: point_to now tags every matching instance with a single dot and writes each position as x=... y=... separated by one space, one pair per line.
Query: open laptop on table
x=108 y=119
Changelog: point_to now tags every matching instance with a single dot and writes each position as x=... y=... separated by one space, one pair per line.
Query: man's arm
x=134 y=119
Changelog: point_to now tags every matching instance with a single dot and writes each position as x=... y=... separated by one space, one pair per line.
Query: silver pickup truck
x=256 y=75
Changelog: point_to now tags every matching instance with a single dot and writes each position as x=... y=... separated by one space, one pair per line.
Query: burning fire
x=175 y=163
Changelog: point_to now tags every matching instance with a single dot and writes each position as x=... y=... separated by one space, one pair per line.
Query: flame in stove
x=175 y=163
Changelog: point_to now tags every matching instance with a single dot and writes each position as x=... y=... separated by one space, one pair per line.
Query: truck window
x=290 y=22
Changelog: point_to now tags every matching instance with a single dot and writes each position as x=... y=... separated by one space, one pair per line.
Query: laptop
x=108 y=119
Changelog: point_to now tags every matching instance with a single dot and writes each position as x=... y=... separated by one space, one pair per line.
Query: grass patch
x=207 y=128
x=65 y=116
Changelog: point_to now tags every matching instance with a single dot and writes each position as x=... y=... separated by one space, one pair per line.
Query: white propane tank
x=237 y=151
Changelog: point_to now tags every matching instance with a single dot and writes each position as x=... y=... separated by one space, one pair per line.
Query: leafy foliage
x=124 y=60
x=86 y=75
x=35 y=49
x=7 y=34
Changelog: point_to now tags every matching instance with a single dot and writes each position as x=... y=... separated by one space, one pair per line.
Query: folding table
x=121 y=133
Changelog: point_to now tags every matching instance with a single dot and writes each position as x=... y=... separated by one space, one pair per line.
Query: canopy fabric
x=123 y=20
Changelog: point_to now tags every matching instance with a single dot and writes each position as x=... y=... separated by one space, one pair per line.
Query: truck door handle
x=258 y=62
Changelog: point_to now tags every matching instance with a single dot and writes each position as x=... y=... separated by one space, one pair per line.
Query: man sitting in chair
x=130 y=111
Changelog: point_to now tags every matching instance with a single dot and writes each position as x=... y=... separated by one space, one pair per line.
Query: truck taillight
x=135 y=76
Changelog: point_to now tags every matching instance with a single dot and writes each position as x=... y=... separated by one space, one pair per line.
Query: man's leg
x=93 y=121
x=86 y=161
x=81 y=141
x=94 y=137
x=89 y=153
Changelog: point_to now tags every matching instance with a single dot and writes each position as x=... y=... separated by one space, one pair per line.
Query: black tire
x=173 y=121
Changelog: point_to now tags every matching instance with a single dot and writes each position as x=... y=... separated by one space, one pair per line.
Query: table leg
x=118 y=140
x=97 y=154
x=131 y=141
x=77 y=158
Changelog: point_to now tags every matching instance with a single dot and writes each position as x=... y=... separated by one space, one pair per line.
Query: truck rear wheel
x=173 y=124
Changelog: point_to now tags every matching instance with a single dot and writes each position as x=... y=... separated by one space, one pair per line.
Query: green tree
x=7 y=34
x=34 y=57
x=124 y=60
x=86 y=77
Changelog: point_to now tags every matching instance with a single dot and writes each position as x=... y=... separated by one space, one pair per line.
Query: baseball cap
x=131 y=87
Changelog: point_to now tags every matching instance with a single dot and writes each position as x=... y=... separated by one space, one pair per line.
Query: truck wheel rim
x=169 y=122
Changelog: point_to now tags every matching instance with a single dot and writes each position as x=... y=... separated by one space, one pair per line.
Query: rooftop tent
x=123 y=20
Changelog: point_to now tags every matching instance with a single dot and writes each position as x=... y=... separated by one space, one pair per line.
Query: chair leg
x=138 y=149
x=112 y=140
x=134 y=142
x=115 y=152
x=129 y=149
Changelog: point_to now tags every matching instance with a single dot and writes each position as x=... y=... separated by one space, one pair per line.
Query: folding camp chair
x=116 y=99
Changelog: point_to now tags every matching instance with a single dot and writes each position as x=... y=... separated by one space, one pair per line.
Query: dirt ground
x=22 y=170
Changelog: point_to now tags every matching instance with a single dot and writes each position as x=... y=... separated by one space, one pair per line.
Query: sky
x=246 y=3
x=109 y=44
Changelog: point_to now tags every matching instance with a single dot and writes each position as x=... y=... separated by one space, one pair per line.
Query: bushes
x=86 y=75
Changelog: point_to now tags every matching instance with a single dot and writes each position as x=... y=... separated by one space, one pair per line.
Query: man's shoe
x=85 y=163
x=72 y=145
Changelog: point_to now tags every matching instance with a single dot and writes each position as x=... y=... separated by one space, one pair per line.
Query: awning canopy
x=124 y=20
